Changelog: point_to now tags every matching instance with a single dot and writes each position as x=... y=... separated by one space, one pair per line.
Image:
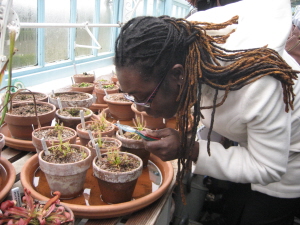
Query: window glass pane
x=85 y=13
x=105 y=33
x=56 y=39
x=27 y=40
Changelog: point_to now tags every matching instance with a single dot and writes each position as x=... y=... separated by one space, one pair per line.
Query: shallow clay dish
x=96 y=210
x=7 y=177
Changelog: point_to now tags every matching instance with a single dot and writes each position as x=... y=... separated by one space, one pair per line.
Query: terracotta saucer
x=23 y=145
x=7 y=177
x=97 y=209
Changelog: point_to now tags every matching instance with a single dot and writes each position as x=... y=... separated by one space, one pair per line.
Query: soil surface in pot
x=129 y=163
x=71 y=96
x=117 y=98
x=109 y=86
x=28 y=96
x=52 y=134
x=73 y=112
x=29 y=109
x=106 y=144
x=57 y=156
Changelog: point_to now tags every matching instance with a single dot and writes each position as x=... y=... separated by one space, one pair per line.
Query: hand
x=167 y=147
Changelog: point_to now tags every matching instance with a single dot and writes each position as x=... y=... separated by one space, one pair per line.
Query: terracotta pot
x=151 y=122
x=84 y=135
x=43 y=98
x=120 y=110
x=80 y=78
x=86 y=102
x=7 y=178
x=114 y=79
x=70 y=121
x=49 y=142
x=20 y=127
x=2 y=142
x=100 y=93
x=88 y=89
x=135 y=147
x=117 y=143
x=66 y=178
x=117 y=187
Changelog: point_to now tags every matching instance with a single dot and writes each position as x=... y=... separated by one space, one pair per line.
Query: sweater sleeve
x=263 y=157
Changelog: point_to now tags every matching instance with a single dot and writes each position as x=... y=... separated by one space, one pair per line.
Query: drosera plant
x=115 y=159
x=108 y=86
x=34 y=212
x=140 y=124
x=63 y=152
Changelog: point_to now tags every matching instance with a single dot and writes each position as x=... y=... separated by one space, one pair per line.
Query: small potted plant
x=36 y=212
x=117 y=173
x=65 y=166
x=72 y=99
x=70 y=116
x=52 y=135
x=105 y=144
x=132 y=142
x=84 y=77
x=98 y=127
x=119 y=107
x=83 y=87
x=102 y=89
x=24 y=115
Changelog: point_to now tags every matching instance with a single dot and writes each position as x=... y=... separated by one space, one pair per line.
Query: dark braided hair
x=150 y=43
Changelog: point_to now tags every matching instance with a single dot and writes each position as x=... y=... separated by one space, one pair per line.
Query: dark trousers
x=242 y=206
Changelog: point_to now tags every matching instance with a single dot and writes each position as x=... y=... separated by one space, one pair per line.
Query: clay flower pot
x=72 y=120
x=114 y=79
x=83 y=134
x=83 y=87
x=117 y=187
x=20 y=125
x=135 y=147
x=28 y=96
x=51 y=137
x=100 y=93
x=119 y=106
x=7 y=178
x=151 y=122
x=72 y=99
x=108 y=143
x=84 y=77
x=2 y=142
x=67 y=178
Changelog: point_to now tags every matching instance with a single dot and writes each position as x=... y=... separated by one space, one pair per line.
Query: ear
x=177 y=73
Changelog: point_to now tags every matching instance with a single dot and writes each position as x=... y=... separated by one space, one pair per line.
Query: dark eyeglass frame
x=147 y=103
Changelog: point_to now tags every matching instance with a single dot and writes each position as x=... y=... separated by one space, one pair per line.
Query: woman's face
x=164 y=103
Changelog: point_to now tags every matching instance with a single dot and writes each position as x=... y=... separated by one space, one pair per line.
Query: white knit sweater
x=254 y=116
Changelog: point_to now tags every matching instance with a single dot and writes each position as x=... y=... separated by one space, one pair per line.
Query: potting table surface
x=155 y=213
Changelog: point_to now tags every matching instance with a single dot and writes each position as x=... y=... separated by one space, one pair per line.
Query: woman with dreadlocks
x=241 y=83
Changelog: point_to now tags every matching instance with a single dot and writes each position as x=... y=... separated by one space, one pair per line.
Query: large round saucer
x=103 y=211
x=7 y=177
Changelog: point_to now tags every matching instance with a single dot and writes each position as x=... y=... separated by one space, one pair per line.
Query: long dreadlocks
x=150 y=43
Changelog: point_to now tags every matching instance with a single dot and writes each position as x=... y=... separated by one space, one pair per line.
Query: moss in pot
x=83 y=87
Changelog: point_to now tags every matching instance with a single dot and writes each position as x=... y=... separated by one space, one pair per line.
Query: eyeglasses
x=149 y=100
